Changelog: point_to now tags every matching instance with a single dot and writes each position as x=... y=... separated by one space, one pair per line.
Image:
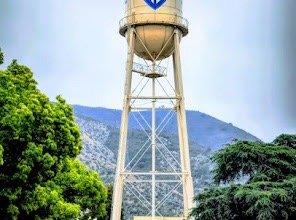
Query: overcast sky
x=238 y=60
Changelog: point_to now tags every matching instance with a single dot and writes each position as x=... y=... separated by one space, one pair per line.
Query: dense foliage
x=1 y=57
x=40 y=176
x=269 y=193
x=286 y=140
x=109 y=202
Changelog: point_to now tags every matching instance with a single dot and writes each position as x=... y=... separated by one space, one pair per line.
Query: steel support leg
x=188 y=192
x=119 y=176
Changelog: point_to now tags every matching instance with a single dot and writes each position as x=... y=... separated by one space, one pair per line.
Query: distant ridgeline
x=202 y=128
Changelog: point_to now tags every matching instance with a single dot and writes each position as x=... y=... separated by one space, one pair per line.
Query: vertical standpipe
x=153 y=33
x=153 y=156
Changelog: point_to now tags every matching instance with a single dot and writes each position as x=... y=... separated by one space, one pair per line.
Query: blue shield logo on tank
x=155 y=4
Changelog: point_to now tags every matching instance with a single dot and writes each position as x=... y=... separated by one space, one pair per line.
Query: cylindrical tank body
x=154 y=26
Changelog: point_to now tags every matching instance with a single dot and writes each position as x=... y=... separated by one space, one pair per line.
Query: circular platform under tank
x=154 y=26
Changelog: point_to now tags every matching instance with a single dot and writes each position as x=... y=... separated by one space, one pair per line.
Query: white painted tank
x=155 y=22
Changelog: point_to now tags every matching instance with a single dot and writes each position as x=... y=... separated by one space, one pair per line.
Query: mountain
x=100 y=134
x=202 y=128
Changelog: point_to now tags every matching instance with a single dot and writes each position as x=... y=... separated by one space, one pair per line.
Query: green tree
x=1 y=57
x=109 y=202
x=269 y=193
x=40 y=177
x=286 y=140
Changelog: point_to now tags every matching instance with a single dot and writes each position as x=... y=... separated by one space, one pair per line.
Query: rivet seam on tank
x=155 y=4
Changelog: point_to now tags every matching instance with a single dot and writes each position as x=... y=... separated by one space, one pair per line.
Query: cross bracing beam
x=154 y=98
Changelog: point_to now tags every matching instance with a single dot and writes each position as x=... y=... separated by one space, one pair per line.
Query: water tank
x=154 y=22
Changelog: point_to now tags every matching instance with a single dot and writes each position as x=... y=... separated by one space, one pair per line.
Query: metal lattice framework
x=148 y=95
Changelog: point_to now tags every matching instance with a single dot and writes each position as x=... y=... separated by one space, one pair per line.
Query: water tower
x=153 y=29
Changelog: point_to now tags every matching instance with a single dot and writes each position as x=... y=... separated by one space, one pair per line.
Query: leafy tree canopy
x=269 y=193
x=1 y=57
x=40 y=176
x=286 y=140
